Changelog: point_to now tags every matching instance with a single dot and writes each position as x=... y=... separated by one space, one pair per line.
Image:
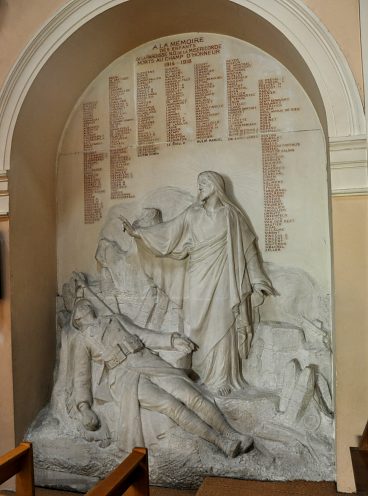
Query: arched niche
x=44 y=106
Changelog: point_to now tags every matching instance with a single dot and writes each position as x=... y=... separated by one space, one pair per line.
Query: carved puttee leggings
x=176 y=398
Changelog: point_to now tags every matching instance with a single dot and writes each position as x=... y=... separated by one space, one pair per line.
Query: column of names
x=275 y=213
x=120 y=134
x=175 y=100
x=207 y=110
x=241 y=101
x=92 y=162
x=147 y=113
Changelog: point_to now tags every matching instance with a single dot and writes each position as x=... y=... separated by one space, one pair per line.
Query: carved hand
x=128 y=227
x=89 y=418
x=182 y=343
x=80 y=278
x=263 y=289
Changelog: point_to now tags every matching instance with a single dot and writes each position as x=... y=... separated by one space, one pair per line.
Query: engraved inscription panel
x=129 y=161
x=172 y=108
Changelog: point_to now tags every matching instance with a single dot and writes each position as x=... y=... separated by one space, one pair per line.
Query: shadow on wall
x=2 y=250
x=4 y=7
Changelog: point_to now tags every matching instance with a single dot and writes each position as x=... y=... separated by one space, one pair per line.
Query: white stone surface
x=304 y=175
x=281 y=188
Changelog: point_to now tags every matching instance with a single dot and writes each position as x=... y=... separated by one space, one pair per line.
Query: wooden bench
x=129 y=478
x=359 y=458
x=19 y=462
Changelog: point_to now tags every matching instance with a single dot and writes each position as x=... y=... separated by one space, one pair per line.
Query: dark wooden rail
x=129 y=478
x=19 y=462
x=359 y=458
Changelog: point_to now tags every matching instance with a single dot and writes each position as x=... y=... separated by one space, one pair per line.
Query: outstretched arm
x=157 y=340
x=152 y=339
x=162 y=239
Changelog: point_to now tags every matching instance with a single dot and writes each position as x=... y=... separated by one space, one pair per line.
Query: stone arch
x=336 y=84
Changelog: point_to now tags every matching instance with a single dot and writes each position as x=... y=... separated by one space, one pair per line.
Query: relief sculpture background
x=194 y=273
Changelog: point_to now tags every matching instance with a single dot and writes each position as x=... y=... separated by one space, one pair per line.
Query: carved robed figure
x=222 y=268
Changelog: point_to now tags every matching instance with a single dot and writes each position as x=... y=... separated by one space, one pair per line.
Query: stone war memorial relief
x=194 y=273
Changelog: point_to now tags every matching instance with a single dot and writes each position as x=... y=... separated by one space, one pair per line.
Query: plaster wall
x=342 y=21
x=19 y=21
x=32 y=271
x=350 y=220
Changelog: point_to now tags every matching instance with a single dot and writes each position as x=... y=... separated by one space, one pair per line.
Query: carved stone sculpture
x=133 y=378
x=222 y=271
x=127 y=334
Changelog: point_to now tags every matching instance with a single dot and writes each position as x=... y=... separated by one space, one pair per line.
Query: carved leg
x=152 y=397
x=185 y=392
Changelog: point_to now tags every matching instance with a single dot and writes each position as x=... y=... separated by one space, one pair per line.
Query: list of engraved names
x=92 y=159
x=273 y=148
x=184 y=91
x=121 y=129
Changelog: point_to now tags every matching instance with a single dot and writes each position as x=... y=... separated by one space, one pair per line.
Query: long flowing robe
x=214 y=263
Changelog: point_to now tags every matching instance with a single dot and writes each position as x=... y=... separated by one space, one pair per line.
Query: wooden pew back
x=19 y=462
x=129 y=478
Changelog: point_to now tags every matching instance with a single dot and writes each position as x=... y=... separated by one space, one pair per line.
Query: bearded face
x=205 y=188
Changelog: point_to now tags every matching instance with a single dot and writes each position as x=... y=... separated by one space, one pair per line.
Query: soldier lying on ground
x=137 y=378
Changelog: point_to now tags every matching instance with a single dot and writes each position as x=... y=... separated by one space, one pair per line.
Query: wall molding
x=320 y=51
x=348 y=165
x=293 y=18
x=351 y=192
x=4 y=196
